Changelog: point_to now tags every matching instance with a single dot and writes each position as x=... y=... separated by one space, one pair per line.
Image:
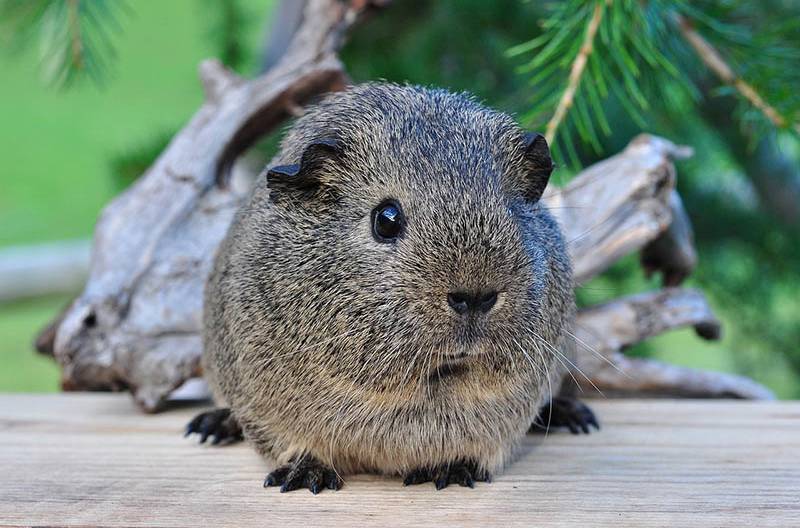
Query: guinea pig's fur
x=326 y=342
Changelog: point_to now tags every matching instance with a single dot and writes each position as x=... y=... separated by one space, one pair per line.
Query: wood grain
x=95 y=460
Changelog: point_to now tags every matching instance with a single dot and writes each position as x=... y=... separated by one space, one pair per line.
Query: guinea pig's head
x=410 y=224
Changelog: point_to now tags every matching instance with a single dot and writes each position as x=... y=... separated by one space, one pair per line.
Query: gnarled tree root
x=603 y=331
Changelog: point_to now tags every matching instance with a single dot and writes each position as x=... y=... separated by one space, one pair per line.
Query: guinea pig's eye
x=387 y=221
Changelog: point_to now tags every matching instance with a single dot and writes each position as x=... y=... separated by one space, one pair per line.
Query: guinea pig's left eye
x=387 y=221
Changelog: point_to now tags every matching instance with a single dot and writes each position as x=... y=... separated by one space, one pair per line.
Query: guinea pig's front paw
x=565 y=412
x=219 y=424
x=461 y=472
x=304 y=472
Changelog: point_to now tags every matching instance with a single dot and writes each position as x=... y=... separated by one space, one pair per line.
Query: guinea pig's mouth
x=455 y=353
x=451 y=366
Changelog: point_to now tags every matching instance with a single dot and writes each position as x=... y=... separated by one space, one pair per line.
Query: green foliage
x=75 y=37
x=133 y=161
x=56 y=144
x=20 y=369
x=227 y=24
x=642 y=74
x=749 y=269
x=624 y=50
x=639 y=60
x=761 y=43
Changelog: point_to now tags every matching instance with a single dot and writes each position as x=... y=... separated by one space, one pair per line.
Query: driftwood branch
x=673 y=251
x=137 y=323
x=603 y=331
x=617 y=206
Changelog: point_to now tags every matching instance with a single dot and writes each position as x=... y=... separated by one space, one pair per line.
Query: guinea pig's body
x=393 y=298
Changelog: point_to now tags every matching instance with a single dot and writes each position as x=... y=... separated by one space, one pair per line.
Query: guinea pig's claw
x=304 y=472
x=219 y=424
x=463 y=472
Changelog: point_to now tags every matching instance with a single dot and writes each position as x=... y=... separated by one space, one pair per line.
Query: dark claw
x=584 y=427
x=192 y=426
x=218 y=424
x=572 y=428
x=332 y=480
x=593 y=422
x=565 y=412
x=204 y=432
x=304 y=472
x=276 y=477
x=463 y=472
x=418 y=476
x=461 y=476
x=313 y=480
x=290 y=485
x=466 y=480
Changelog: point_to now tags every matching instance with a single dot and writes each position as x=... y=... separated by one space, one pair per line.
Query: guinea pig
x=394 y=298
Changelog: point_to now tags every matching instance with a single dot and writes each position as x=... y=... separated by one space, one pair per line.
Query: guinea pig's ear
x=539 y=165
x=307 y=173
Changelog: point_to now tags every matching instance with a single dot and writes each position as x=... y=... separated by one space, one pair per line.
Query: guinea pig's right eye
x=388 y=221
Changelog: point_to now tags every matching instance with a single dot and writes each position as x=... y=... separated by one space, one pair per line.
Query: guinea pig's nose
x=462 y=302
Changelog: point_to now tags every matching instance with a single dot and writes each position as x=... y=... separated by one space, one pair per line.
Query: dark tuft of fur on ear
x=305 y=174
x=540 y=165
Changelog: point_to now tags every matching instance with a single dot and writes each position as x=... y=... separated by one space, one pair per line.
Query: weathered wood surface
x=94 y=459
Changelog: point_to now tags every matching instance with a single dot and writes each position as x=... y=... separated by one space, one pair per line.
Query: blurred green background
x=67 y=151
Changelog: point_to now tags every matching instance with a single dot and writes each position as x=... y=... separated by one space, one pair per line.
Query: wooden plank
x=93 y=459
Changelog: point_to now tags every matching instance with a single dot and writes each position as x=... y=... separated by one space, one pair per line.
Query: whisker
x=596 y=353
x=598 y=224
x=568 y=361
x=550 y=403
x=334 y=435
x=569 y=371
x=549 y=385
x=566 y=368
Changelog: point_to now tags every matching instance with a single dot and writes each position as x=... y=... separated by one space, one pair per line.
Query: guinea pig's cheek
x=501 y=302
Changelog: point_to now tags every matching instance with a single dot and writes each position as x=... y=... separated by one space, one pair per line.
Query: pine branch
x=575 y=74
x=714 y=61
x=74 y=29
x=592 y=56
x=74 y=36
